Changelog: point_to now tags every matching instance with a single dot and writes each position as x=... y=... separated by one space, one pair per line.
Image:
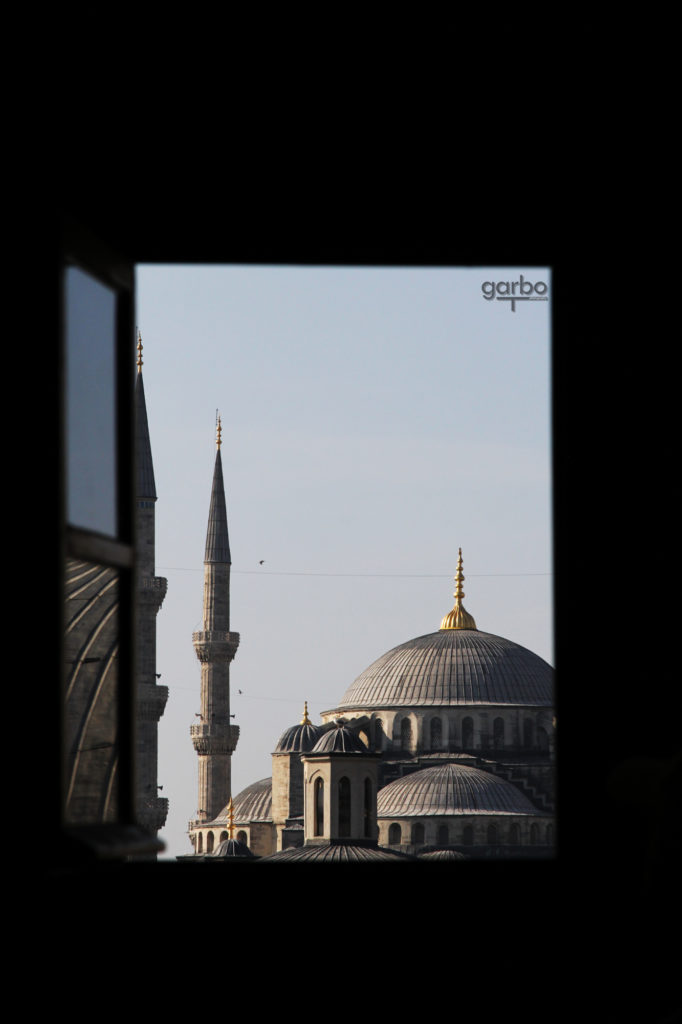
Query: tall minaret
x=151 y=589
x=213 y=736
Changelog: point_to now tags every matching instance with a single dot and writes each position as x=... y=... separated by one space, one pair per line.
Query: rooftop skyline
x=374 y=421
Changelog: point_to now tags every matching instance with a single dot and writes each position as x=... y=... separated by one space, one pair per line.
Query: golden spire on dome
x=139 y=352
x=230 y=818
x=219 y=430
x=305 y=720
x=459 y=617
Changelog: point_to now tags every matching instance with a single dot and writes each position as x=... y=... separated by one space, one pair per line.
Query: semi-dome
x=299 y=738
x=451 y=789
x=253 y=804
x=458 y=664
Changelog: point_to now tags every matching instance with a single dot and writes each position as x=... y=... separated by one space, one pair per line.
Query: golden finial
x=219 y=431
x=230 y=818
x=459 y=617
x=139 y=352
x=305 y=720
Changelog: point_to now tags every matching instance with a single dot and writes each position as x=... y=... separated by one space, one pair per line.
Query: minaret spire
x=459 y=617
x=152 y=809
x=215 y=646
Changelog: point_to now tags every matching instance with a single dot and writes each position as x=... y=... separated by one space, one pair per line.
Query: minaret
x=151 y=589
x=214 y=737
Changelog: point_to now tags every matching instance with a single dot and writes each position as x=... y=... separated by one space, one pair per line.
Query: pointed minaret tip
x=217 y=540
x=139 y=352
x=305 y=720
x=459 y=617
x=230 y=819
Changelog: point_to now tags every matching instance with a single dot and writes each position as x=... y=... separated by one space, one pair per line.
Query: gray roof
x=442 y=855
x=451 y=789
x=453 y=666
x=217 y=540
x=339 y=740
x=146 y=486
x=336 y=853
x=232 y=848
x=253 y=804
x=298 y=738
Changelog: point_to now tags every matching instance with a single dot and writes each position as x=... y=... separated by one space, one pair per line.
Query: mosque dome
x=451 y=789
x=231 y=848
x=253 y=804
x=464 y=666
x=337 y=853
x=458 y=664
x=339 y=740
x=299 y=738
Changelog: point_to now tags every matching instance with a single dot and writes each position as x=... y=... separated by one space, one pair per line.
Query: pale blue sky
x=374 y=420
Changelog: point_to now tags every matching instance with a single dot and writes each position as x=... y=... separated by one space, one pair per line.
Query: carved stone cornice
x=151 y=590
x=215 y=645
x=152 y=813
x=211 y=739
x=151 y=702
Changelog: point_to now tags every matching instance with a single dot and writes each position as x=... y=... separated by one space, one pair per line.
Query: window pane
x=90 y=310
x=92 y=691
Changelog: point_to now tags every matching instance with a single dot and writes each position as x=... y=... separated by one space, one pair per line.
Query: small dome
x=339 y=740
x=298 y=738
x=232 y=848
x=451 y=789
x=253 y=804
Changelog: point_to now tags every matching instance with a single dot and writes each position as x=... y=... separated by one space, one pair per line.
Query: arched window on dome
x=534 y=834
x=241 y=836
x=549 y=835
x=367 y=810
x=498 y=733
x=468 y=835
x=443 y=837
x=209 y=843
x=514 y=835
x=378 y=734
x=467 y=733
x=543 y=739
x=200 y=843
x=417 y=833
x=492 y=835
x=223 y=837
x=318 y=806
x=406 y=734
x=394 y=834
x=528 y=733
x=436 y=734
x=344 y=807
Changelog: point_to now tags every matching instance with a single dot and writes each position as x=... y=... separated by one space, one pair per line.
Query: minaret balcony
x=215 y=644
x=214 y=739
x=152 y=590
x=152 y=813
x=151 y=701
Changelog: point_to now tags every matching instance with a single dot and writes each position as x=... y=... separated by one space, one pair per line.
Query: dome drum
x=483 y=831
x=406 y=731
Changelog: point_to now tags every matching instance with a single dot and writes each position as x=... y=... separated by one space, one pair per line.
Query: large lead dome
x=456 y=665
x=453 y=666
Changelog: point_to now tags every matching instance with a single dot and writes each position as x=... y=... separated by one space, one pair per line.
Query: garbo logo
x=515 y=291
